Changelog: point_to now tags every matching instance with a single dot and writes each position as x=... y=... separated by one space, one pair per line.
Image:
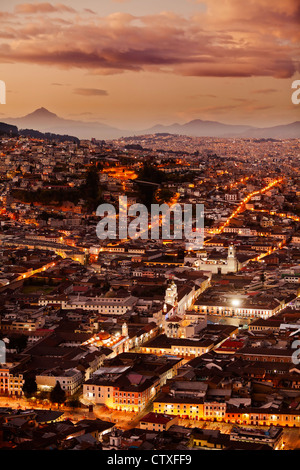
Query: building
x=265 y=354
x=99 y=388
x=238 y=306
x=23 y=323
x=184 y=407
x=272 y=436
x=219 y=266
x=262 y=417
x=103 y=305
x=262 y=325
x=134 y=391
x=209 y=439
x=182 y=347
x=70 y=380
x=121 y=389
x=10 y=383
x=124 y=386
x=189 y=407
x=118 y=342
x=158 y=422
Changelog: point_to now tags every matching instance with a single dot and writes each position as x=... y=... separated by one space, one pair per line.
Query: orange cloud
x=230 y=39
x=90 y=92
x=33 y=8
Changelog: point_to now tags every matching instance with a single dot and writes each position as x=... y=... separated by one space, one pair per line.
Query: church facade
x=219 y=266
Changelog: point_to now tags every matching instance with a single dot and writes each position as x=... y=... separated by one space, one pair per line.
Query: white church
x=220 y=265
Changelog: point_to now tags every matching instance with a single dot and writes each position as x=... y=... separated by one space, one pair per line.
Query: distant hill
x=46 y=121
x=199 y=128
x=12 y=131
x=287 y=131
x=48 y=136
x=7 y=129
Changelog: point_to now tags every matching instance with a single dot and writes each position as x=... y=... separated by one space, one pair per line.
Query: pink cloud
x=90 y=92
x=231 y=39
x=33 y=8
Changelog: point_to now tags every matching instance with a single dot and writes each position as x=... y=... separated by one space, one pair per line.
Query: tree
x=29 y=387
x=150 y=173
x=263 y=277
x=91 y=188
x=164 y=195
x=57 y=394
x=18 y=342
x=74 y=403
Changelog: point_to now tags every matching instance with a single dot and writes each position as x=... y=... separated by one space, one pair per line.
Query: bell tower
x=124 y=329
x=232 y=262
x=171 y=294
x=231 y=251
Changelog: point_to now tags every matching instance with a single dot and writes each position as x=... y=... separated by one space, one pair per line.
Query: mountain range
x=45 y=121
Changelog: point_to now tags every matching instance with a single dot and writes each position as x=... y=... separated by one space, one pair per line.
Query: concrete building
x=69 y=380
x=219 y=266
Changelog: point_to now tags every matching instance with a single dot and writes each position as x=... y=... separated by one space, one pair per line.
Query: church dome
x=103 y=335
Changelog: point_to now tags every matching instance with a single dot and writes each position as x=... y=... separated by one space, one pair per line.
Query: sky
x=137 y=63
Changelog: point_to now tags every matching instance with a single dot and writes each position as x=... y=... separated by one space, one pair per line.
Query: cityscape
x=149 y=343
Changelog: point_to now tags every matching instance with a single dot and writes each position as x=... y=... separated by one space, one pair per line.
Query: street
x=128 y=420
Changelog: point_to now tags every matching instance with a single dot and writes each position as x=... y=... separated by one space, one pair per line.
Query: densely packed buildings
x=176 y=338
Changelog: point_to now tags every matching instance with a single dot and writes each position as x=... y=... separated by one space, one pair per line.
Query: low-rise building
x=69 y=380
x=182 y=347
x=10 y=383
x=272 y=436
x=158 y=422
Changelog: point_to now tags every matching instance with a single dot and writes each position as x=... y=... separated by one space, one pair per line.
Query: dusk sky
x=141 y=62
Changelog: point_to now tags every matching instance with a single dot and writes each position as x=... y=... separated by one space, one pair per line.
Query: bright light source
x=236 y=302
